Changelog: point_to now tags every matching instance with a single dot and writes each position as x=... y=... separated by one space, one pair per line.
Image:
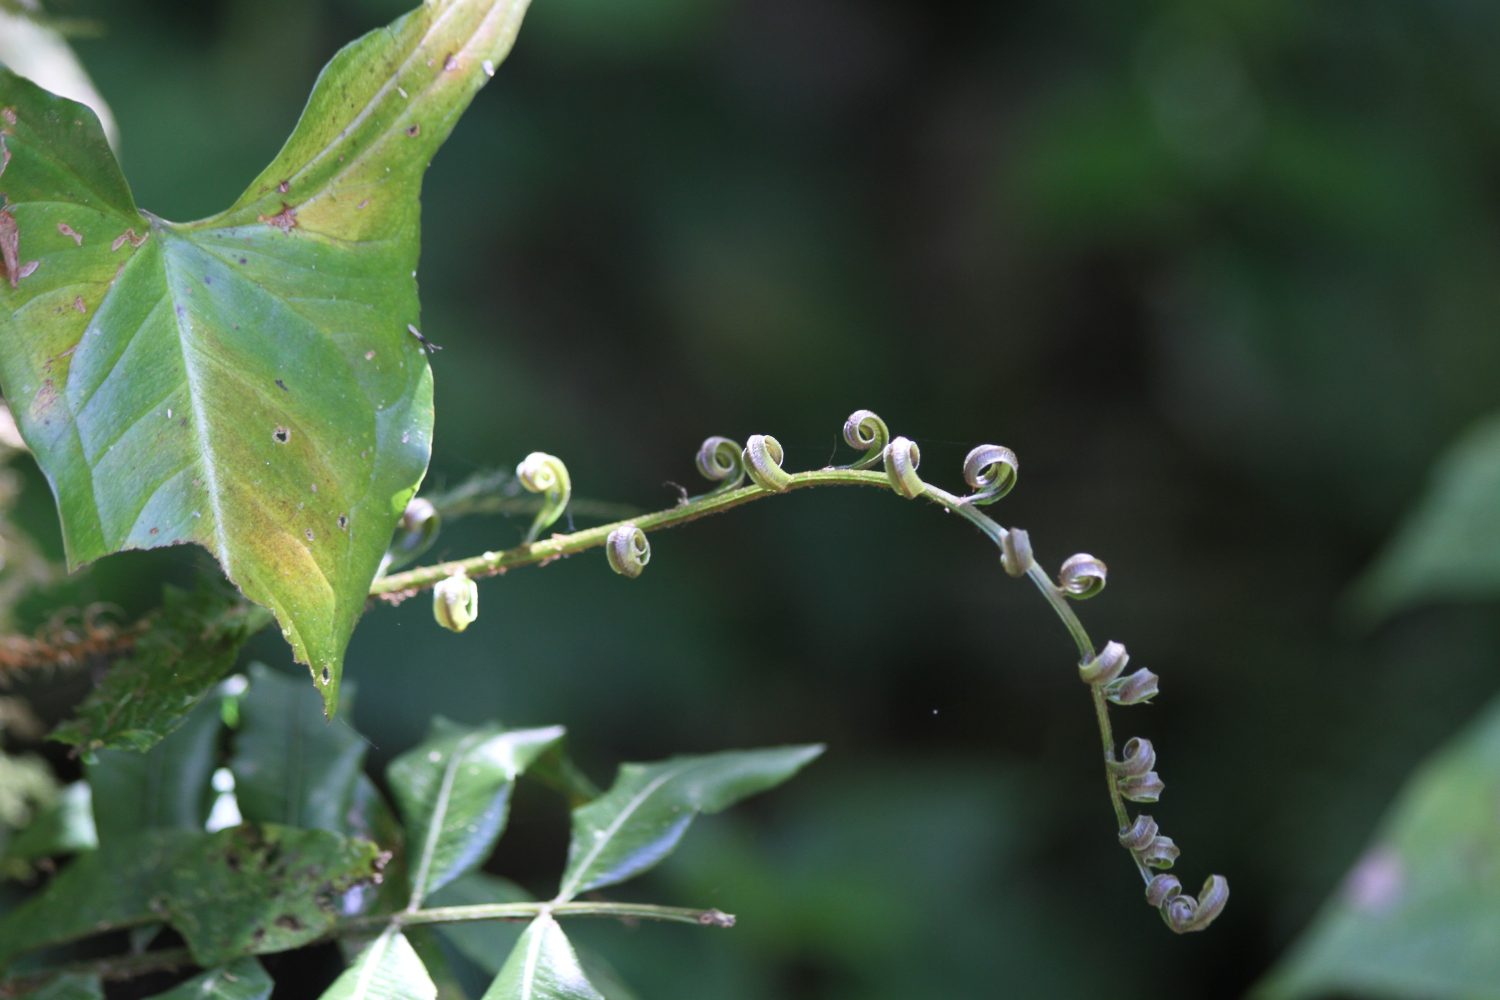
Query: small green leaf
x=249 y=382
x=245 y=890
x=181 y=654
x=1419 y=914
x=71 y=987
x=388 y=969
x=639 y=821
x=454 y=793
x=290 y=764
x=542 y=967
x=1448 y=549
x=244 y=980
x=168 y=787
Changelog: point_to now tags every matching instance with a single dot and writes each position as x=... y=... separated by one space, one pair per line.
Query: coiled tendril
x=1134 y=778
x=1082 y=576
x=628 y=550
x=865 y=431
x=763 y=457
x=1152 y=849
x=902 y=456
x=542 y=473
x=455 y=602
x=1183 y=913
x=991 y=470
x=722 y=462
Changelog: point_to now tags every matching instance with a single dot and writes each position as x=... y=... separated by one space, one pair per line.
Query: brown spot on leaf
x=10 y=246
x=284 y=186
x=309 y=534
x=450 y=63
x=46 y=398
x=284 y=220
x=129 y=236
x=155 y=530
x=281 y=435
x=414 y=129
x=80 y=305
x=362 y=205
x=70 y=233
x=343 y=522
x=290 y=922
x=282 y=386
x=9 y=114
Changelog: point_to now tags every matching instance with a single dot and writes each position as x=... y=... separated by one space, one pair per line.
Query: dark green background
x=1224 y=275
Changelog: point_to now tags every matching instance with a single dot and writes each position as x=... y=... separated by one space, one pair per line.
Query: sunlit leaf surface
x=250 y=382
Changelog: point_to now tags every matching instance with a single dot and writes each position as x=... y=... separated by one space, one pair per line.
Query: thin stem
x=129 y=966
x=404 y=584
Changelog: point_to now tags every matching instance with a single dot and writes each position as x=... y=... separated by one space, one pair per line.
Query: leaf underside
x=248 y=382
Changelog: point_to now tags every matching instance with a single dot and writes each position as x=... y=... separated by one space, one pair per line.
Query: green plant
x=257 y=383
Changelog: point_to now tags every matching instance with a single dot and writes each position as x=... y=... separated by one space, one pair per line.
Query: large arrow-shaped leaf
x=249 y=382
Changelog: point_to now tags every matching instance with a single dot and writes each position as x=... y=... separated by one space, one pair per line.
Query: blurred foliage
x=1448 y=548
x=1419 y=914
x=1224 y=274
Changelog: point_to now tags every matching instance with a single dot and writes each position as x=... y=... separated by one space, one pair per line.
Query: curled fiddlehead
x=1184 y=913
x=455 y=602
x=865 y=431
x=991 y=470
x=722 y=462
x=629 y=550
x=902 y=456
x=1082 y=576
x=763 y=458
x=1150 y=847
x=542 y=473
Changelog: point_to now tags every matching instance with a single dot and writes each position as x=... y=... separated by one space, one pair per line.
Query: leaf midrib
x=571 y=887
